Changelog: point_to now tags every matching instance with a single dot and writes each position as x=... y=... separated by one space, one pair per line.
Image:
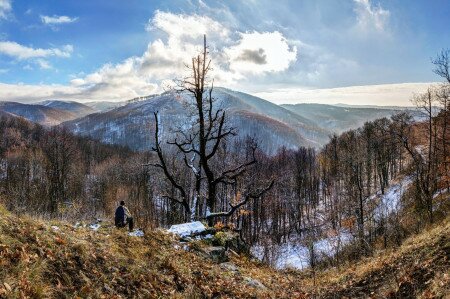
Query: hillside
x=48 y=113
x=103 y=106
x=43 y=115
x=78 y=109
x=59 y=260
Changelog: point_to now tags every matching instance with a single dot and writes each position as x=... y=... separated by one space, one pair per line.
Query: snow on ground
x=136 y=233
x=390 y=200
x=186 y=229
x=296 y=255
x=440 y=192
x=95 y=226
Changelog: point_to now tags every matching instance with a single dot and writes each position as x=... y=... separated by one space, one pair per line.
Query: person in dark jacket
x=123 y=217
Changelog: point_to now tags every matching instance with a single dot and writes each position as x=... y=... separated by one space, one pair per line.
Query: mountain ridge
x=132 y=124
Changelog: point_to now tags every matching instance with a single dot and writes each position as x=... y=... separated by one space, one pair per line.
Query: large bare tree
x=200 y=145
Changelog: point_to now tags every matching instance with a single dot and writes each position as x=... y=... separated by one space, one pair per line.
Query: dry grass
x=37 y=261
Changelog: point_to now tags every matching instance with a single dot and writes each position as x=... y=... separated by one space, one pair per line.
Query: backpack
x=119 y=217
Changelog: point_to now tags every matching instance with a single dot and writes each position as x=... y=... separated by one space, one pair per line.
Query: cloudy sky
x=287 y=51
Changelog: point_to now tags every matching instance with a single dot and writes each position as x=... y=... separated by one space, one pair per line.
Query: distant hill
x=102 y=106
x=132 y=125
x=47 y=113
x=375 y=106
x=78 y=109
x=43 y=115
x=339 y=118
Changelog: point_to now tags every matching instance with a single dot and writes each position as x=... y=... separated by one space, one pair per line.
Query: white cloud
x=382 y=95
x=261 y=53
x=43 y=64
x=371 y=17
x=5 y=8
x=21 y=52
x=56 y=20
x=181 y=38
x=33 y=93
x=187 y=27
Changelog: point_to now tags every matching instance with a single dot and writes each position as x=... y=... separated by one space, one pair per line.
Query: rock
x=186 y=229
x=230 y=240
x=229 y=267
x=215 y=253
x=254 y=283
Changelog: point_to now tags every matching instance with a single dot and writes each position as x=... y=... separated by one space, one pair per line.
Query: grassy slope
x=40 y=262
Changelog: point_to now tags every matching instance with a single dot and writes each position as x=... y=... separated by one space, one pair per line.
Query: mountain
x=235 y=100
x=133 y=124
x=340 y=118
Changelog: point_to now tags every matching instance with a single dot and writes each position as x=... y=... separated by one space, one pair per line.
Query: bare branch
x=247 y=198
x=163 y=164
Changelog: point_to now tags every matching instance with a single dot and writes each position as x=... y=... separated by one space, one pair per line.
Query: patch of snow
x=186 y=229
x=439 y=192
x=194 y=204
x=3 y=169
x=95 y=226
x=390 y=201
x=136 y=233
x=296 y=255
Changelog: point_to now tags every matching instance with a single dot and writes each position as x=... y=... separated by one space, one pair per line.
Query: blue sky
x=354 y=51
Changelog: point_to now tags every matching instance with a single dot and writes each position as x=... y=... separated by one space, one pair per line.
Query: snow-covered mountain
x=133 y=124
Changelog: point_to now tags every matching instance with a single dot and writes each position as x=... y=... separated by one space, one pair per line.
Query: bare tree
x=442 y=69
x=200 y=145
x=442 y=64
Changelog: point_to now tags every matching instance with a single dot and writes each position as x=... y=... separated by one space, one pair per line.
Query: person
x=123 y=217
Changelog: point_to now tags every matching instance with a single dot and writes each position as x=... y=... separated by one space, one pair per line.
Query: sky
x=286 y=51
